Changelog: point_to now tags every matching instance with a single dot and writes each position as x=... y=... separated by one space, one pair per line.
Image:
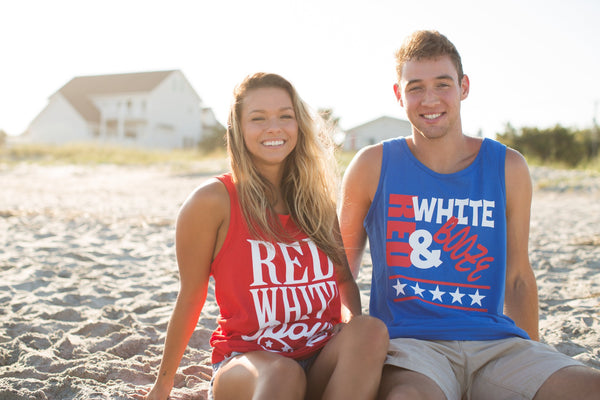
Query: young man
x=447 y=218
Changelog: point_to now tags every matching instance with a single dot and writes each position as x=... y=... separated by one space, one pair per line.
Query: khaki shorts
x=463 y=370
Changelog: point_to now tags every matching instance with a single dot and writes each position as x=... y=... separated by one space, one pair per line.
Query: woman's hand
x=337 y=328
x=156 y=393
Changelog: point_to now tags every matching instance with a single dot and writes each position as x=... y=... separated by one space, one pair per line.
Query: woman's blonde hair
x=309 y=183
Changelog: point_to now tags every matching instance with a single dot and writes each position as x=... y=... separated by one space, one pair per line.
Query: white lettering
x=292 y=306
x=486 y=218
x=444 y=212
x=461 y=203
x=466 y=211
x=423 y=209
x=265 y=309
x=291 y=263
x=475 y=206
x=317 y=262
x=257 y=262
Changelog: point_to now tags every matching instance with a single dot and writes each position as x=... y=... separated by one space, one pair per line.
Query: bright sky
x=530 y=63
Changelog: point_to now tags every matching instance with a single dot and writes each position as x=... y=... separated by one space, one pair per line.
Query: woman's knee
x=286 y=369
x=367 y=329
x=260 y=373
x=282 y=376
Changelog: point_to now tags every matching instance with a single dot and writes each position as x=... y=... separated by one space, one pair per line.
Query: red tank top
x=278 y=297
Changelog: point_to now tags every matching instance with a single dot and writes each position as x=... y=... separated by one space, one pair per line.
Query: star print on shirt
x=457 y=296
x=399 y=287
x=437 y=294
x=476 y=298
x=433 y=292
x=418 y=290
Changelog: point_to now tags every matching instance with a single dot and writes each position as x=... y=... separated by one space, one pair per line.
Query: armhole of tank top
x=384 y=158
x=502 y=169
x=232 y=219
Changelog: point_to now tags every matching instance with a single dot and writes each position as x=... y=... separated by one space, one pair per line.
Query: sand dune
x=88 y=277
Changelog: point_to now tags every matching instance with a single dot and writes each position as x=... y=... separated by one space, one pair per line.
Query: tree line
x=559 y=145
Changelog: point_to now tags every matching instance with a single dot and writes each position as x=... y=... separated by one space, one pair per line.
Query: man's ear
x=465 y=84
x=398 y=94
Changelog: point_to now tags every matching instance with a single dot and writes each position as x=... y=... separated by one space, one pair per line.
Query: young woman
x=268 y=234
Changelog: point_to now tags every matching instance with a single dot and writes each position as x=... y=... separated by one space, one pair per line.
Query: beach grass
x=90 y=154
x=94 y=154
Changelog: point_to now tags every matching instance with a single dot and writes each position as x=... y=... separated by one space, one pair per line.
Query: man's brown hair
x=427 y=45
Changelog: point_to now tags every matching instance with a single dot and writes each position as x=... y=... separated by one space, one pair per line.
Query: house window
x=188 y=142
x=130 y=134
x=111 y=127
x=165 y=128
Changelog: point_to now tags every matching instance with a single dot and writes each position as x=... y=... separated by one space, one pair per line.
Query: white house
x=157 y=109
x=375 y=131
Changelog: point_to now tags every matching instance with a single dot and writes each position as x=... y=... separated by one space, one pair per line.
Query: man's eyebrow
x=441 y=77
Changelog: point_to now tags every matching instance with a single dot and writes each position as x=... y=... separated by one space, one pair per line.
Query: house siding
x=59 y=123
x=375 y=131
x=160 y=110
x=174 y=111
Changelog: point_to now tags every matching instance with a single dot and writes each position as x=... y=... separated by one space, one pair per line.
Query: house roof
x=78 y=91
x=383 y=119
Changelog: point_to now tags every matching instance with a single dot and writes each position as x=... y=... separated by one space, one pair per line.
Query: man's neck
x=444 y=155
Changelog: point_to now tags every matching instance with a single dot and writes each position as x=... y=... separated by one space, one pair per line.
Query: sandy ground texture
x=88 y=277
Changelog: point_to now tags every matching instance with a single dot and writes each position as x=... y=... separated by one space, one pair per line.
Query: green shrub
x=556 y=145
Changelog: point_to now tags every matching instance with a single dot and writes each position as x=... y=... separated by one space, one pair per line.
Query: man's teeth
x=431 y=116
x=273 y=143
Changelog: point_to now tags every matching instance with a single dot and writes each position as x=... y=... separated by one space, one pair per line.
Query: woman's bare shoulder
x=208 y=199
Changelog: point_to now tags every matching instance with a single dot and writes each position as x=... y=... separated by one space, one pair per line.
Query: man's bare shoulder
x=518 y=181
x=515 y=164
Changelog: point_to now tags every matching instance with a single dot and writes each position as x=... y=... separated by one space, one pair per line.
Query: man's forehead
x=429 y=68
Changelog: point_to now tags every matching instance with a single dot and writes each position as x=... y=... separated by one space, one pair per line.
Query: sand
x=88 y=276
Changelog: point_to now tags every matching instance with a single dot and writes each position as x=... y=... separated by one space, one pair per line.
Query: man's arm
x=521 y=297
x=358 y=189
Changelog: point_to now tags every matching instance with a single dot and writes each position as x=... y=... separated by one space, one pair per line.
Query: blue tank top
x=438 y=246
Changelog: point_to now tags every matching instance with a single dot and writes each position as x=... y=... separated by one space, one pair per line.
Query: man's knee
x=574 y=382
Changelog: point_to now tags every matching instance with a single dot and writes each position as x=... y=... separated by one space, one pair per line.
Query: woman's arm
x=200 y=231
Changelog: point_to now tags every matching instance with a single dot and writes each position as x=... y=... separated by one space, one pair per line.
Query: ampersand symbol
x=421 y=257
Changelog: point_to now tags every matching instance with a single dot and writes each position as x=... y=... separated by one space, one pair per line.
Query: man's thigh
x=398 y=382
x=518 y=368
x=437 y=362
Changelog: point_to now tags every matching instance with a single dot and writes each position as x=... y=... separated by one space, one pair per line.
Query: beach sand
x=88 y=277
